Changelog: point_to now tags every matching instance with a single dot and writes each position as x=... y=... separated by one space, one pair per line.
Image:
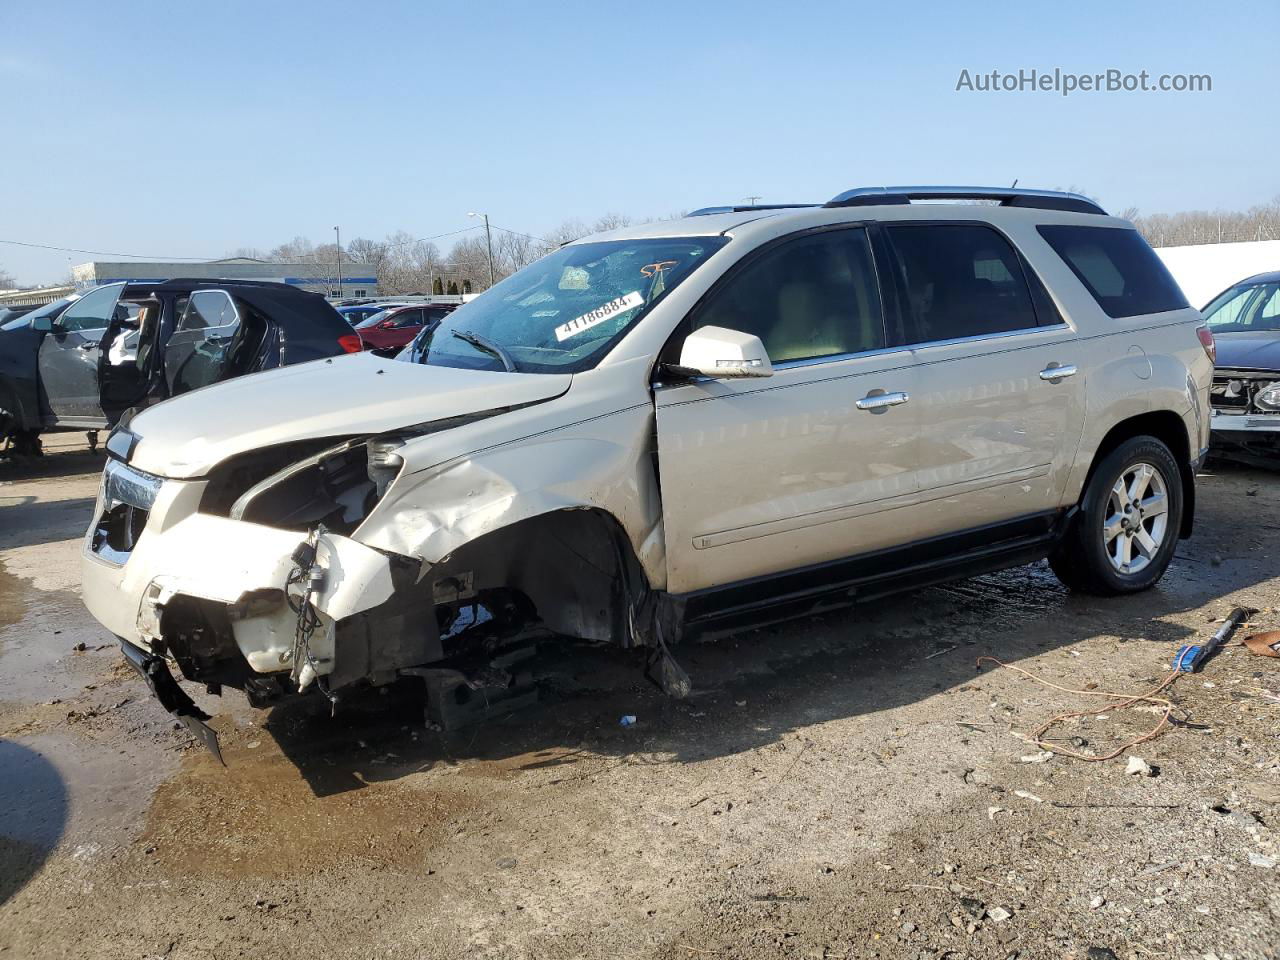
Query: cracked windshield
x=562 y=313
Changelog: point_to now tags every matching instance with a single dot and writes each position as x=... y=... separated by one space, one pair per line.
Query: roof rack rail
x=747 y=207
x=1008 y=197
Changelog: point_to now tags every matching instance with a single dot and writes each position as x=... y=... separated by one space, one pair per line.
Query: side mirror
x=723 y=353
x=42 y=324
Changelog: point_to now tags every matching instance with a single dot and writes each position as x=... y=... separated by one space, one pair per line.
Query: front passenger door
x=761 y=476
x=69 y=356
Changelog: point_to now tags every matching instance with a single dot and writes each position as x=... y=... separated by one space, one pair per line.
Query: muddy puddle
x=12 y=601
x=39 y=659
x=69 y=795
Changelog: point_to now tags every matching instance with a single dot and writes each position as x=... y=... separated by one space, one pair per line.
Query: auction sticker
x=600 y=314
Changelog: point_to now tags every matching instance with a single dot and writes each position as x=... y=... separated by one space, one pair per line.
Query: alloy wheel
x=1137 y=518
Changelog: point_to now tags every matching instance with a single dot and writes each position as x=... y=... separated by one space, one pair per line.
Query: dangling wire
x=308 y=619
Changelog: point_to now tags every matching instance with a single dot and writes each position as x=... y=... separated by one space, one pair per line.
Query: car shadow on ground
x=753 y=688
x=55 y=462
x=26 y=522
x=34 y=801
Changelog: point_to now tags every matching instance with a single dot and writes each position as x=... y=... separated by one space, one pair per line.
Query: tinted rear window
x=1121 y=271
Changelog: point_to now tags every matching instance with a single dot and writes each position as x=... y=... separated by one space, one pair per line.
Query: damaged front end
x=1245 y=421
x=338 y=564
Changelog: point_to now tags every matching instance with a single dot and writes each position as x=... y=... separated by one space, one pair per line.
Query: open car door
x=127 y=358
x=201 y=348
x=68 y=359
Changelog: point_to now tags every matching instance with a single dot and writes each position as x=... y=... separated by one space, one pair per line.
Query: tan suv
x=671 y=428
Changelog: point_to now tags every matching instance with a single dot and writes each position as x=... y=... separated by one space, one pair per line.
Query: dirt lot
x=843 y=786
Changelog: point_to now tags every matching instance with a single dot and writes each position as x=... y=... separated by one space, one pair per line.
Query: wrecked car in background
x=669 y=429
x=80 y=364
x=1245 y=398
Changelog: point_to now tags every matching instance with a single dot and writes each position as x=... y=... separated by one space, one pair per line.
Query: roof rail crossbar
x=1007 y=196
x=747 y=207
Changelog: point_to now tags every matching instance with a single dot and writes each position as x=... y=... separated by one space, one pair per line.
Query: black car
x=80 y=363
x=1245 y=397
x=13 y=312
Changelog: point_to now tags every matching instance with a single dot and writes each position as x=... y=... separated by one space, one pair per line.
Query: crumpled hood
x=1248 y=351
x=354 y=394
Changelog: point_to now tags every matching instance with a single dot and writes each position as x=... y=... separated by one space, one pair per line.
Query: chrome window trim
x=235 y=308
x=977 y=338
x=832 y=358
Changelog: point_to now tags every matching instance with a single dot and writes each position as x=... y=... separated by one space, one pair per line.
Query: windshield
x=1245 y=308
x=562 y=313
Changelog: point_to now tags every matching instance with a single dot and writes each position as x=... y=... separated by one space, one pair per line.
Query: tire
x=1092 y=555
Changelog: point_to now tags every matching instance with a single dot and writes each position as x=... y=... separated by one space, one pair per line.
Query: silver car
x=663 y=430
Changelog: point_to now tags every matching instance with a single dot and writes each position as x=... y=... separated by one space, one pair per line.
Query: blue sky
x=185 y=129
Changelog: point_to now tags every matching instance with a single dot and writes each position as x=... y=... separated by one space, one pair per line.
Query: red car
x=388 y=330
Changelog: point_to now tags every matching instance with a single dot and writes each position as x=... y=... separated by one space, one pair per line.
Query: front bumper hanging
x=155 y=671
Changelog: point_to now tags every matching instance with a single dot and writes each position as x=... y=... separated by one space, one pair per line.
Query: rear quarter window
x=1118 y=267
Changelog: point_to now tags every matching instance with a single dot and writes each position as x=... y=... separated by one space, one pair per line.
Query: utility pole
x=488 y=239
x=338 y=237
x=753 y=200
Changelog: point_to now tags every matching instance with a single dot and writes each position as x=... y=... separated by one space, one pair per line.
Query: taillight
x=351 y=342
x=1206 y=341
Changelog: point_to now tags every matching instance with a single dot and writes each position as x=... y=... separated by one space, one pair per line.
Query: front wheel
x=1123 y=536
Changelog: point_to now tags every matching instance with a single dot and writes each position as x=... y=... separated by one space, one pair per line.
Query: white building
x=358 y=280
x=1204 y=270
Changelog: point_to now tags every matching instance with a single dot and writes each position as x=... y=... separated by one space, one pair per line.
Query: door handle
x=88 y=346
x=881 y=401
x=1058 y=373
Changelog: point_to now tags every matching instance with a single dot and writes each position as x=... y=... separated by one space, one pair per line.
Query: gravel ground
x=849 y=785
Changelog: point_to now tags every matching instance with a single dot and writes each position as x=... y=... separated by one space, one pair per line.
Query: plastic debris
x=999 y=914
x=1139 y=767
x=1261 y=860
x=1044 y=756
x=628 y=720
x=1027 y=795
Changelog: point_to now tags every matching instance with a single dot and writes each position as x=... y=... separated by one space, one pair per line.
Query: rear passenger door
x=999 y=397
x=199 y=351
x=761 y=476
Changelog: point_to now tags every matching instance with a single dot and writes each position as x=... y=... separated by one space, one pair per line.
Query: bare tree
x=611 y=221
x=1260 y=222
x=6 y=280
x=567 y=232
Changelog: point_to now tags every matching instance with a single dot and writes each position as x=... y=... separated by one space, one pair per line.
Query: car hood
x=1248 y=351
x=338 y=397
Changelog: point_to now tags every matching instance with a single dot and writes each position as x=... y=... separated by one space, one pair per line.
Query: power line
x=145 y=256
x=526 y=235
x=98 y=253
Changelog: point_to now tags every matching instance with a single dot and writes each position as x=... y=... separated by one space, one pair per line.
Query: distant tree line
x=406 y=265
x=1208 y=226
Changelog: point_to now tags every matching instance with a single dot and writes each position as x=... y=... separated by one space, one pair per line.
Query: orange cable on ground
x=1124 y=700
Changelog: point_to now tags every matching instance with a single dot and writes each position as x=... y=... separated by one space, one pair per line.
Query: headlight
x=121 y=484
x=1268 y=398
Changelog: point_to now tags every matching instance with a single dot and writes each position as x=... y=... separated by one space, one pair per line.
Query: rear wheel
x=1123 y=536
